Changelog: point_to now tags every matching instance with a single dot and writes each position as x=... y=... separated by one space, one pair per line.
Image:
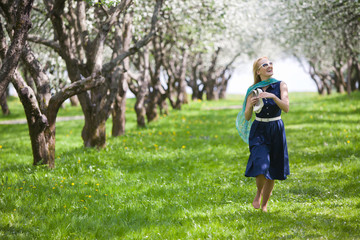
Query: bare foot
x=256 y=202
x=264 y=209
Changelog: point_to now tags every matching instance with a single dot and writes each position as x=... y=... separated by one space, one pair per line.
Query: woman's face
x=265 y=69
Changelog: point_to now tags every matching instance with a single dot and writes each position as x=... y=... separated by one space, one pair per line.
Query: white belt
x=267 y=119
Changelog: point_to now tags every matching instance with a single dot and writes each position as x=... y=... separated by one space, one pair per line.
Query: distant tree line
x=325 y=37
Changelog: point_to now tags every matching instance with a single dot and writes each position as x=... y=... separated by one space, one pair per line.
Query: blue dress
x=267 y=142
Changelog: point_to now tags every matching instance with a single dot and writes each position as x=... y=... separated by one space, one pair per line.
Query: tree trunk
x=326 y=84
x=123 y=38
x=348 y=78
x=118 y=115
x=151 y=108
x=157 y=92
x=140 y=108
x=222 y=94
x=181 y=87
x=119 y=107
x=94 y=132
x=37 y=122
x=22 y=24
x=164 y=108
x=96 y=112
x=4 y=105
x=357 y=75
x=74 y=101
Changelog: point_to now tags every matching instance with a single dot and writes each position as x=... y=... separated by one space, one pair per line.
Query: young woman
x=268 y=159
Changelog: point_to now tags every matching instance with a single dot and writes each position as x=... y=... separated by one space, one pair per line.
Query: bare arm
x=283 y=103
x=251 y=101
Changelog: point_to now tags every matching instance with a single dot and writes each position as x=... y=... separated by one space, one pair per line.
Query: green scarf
x=242 y=125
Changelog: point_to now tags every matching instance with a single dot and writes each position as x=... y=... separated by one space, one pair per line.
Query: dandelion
x=85 y=183
x=15 y=210
x=96 y=190
x=64 y=178
x=97 y=184
x=216 y=136
x=105 y=194
x=53 y=187
x=72 y=184
x=183 y=147
x=89 y=196
x=21 y=188
x=348 y=141
x=311 y=117
x=0 y=147
x=79 y=161
x=126 y=148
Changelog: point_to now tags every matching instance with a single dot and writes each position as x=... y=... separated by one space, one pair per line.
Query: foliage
x=325 y=30
x=182 y=178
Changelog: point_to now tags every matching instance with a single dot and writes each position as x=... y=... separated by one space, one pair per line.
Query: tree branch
x=139 y=44
x=52 y=44
x=75 y=88
x=21 y=27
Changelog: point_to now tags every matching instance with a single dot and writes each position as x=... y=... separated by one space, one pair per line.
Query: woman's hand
x=267 y=95
x=251 y=101
x=254 y=100
x=283 y=103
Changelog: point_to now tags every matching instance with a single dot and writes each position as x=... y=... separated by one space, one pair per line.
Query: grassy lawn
x=182 y=177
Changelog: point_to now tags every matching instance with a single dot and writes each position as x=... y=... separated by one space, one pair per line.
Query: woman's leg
x=266 y=193
x=260 y=181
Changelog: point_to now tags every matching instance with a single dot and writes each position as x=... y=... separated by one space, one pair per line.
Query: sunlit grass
x=182 y=177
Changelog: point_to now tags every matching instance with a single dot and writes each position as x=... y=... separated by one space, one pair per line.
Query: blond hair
x=256 y=65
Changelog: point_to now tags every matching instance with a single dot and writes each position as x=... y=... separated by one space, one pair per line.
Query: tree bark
x=4 y=105
x=176 y=71
x=123 y=38
x=74 y=101
x=348 y=77
x=21 y=28
x=157 y=96
x=143 y=81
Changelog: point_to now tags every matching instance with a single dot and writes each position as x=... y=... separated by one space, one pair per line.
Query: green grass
x=182 y=177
